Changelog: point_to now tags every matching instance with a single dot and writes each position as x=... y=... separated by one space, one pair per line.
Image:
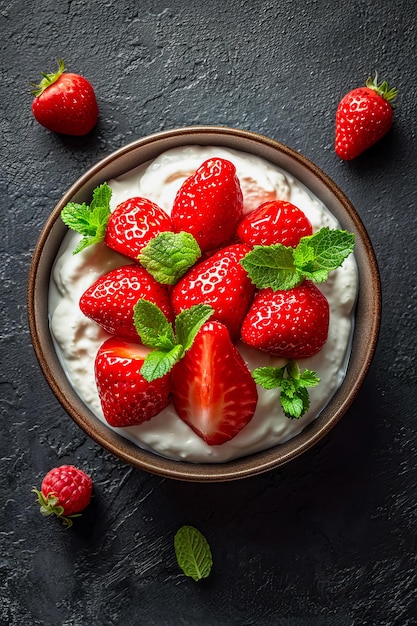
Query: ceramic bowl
x=368 y=307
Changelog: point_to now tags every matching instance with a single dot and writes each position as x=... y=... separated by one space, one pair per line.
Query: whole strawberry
x=221 y=282
x=109 y=301
x=65 y=103
x=209 y=204
x=65 y=492
x=363 y=117
x=127 y=399
x=133 y=224
x=273 y=222
x=291 y=323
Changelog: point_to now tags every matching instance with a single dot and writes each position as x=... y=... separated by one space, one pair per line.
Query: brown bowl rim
x=368 y=308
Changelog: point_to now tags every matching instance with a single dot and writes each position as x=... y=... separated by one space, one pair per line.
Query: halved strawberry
x=213 y=390
x=110 y=300
x=127 y=399
x=221 y=282
x=275 y=222
x=133 y=224
x=292 y=324
x=209 y=204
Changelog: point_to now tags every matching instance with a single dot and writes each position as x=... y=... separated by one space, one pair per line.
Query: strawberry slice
x=209 y=204
x=213 y=390
x=133 y=224
x=221 y=282
x=127 y=399
x=275 y=222
x=290 y=323
x=110 y=300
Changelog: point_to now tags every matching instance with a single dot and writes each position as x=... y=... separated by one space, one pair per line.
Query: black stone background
x=328 y=540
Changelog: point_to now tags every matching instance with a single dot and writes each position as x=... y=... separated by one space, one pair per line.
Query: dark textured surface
x=327 y=540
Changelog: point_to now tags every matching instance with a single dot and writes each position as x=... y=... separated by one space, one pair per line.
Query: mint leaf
x=293 y=386
x=159 y=362
x=193 y=553
x=189 y=322
x=101 y=196
x=89 y=221
x=272 y=266
x=317 y=255
x=169 y=255
x=268 y=377
x=157 y=332
x=294 y=406
x=308 y=378
x=152 y=326
x=283 y=267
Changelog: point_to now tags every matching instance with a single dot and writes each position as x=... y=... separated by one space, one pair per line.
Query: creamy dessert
x=78 y=338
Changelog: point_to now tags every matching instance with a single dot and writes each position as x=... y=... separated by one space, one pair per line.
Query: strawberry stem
x=49 y=506
x=382 y=89
x=48 y=79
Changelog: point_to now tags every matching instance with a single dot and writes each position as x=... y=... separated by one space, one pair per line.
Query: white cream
x=78 y=338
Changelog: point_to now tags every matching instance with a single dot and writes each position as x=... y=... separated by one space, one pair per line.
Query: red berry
x=65 y=103
x=110 y=300
x=209 y=204
x=292 y=324
x=363 y=117
x=213 y=390
x=65 y=492
x=221 y=282
x=274 y=222
x=127 y=399
x=133 y=224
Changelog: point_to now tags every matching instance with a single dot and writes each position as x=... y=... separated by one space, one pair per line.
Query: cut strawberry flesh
x=213 y=391
x=125 y=350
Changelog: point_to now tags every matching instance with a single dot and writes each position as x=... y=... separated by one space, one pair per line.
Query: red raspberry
x=65 y=491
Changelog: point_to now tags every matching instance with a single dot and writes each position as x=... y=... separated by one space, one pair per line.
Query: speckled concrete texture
x=328 y=540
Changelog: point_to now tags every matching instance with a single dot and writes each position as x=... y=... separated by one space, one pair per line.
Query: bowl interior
x=367 y=318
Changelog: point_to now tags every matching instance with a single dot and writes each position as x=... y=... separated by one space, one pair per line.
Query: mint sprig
x=193 y=553
x=169 y=342
x=283 y=267
x=319 y=254
x=293 y=384
x=169 y=255
x=89 y=220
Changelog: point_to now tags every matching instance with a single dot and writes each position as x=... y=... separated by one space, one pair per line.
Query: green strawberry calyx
x=48 y=79
x=382 y=89
x=49 y=505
